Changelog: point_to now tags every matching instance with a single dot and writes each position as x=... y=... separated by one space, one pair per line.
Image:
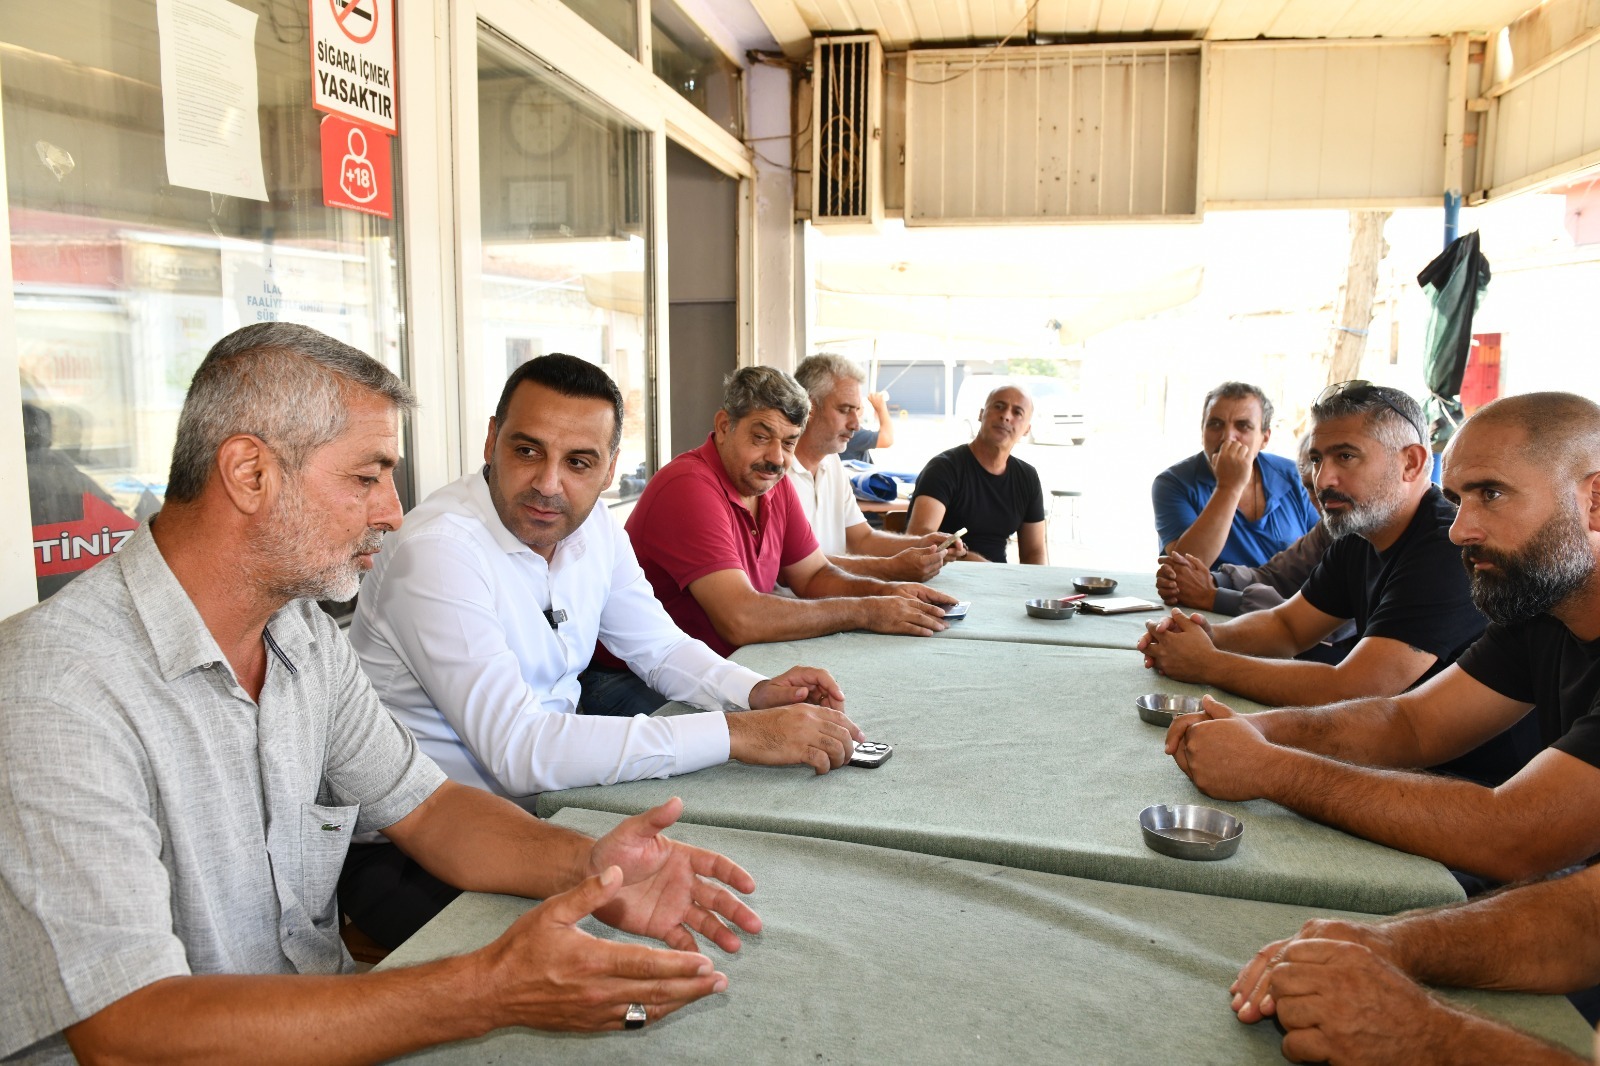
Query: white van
x=1057 y=411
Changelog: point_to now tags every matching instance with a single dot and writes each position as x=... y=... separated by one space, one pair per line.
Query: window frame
x=436 y=83
x=559 y=38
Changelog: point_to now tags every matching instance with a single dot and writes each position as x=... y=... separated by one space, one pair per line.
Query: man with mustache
x=481 y=615
x=720 y=526
x=982 y=488
x=1391 y=569
x=1526 y=471
x=187 y=745
x=1231 y=503
x=823 y=486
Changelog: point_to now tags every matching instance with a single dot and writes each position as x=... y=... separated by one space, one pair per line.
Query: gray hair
x=1389 y=415
x=820 y=374
x=1302 y=458
x=1238 y=390
x=756 y=388
x=285 y=383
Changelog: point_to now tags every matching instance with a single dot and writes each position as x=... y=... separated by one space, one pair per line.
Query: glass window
x=123 y=280
x=566 y=239
x=617 y=19
x=686 y=59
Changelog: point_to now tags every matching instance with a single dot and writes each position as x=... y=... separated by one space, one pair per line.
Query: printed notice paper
x=209 y=98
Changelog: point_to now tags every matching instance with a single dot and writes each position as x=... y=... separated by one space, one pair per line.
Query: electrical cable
x=1026 y=15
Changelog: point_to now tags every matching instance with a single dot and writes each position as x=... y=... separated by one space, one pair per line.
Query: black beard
x=1556 y=563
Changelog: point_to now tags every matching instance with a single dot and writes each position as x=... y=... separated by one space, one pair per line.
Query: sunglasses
x=1359 y=390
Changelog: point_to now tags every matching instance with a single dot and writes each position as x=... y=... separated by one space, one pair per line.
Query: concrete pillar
x=777 y=251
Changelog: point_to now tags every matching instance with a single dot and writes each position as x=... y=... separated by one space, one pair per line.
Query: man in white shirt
x=481 y=612
x=834 y=385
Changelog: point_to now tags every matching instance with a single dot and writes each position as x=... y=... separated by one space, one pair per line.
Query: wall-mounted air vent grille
x=1053 y=133
x=847 y=131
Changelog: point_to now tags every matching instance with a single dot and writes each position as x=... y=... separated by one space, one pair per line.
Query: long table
x=998 y=591
x=1025 y=755
x=873 y=955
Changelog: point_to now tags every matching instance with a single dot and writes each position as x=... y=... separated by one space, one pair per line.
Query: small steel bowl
x=1056 y=609
x=1189 y=831
x=1160 y=708
x=1094 y=586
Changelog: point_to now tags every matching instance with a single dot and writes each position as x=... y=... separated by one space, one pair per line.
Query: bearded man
x=1391 y=569
x=1526 y=473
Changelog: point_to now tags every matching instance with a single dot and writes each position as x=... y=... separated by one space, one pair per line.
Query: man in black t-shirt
x=985 y=489
x=1391 y=569
x=1526 y=472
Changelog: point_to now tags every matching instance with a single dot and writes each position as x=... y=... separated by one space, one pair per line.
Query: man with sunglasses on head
x=1526 y=472
x=1391 y=569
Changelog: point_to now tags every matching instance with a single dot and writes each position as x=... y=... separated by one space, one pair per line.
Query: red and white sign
x=352 y=60
x=355 y=167
x=67 y=547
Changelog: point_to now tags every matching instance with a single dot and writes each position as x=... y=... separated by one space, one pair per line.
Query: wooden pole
x=1360 y=287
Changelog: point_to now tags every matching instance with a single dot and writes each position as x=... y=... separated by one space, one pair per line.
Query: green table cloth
x=1025 y=755
x=998 y=591
x=874 y=955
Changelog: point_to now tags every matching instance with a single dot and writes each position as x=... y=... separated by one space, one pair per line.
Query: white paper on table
x=209 y=98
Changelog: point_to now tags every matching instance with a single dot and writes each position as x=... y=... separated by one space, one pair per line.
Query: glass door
x=565 y=235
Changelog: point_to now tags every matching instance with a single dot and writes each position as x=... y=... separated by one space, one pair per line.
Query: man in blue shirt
x=1232 y=503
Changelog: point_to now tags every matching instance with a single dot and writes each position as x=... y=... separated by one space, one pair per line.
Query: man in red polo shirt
x=720 y=527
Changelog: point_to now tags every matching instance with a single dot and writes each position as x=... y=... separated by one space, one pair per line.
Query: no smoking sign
x=352 y=60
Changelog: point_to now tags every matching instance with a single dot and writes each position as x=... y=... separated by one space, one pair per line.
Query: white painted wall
x=17 y=587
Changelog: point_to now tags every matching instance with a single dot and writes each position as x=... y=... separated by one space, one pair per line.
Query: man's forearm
x=290 y=1019
x=878 y=542
x=1372 y=732
x=830 y=581
x=1259 y=634
x=1209 y=533
x=1276 y=682
x=1543 y=937
x=1473 y=1040
x=769 y=618
x=480 y=842
x=872 y=566
x=1449 y=820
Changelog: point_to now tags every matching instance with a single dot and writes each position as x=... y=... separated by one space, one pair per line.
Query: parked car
x=1057 y=409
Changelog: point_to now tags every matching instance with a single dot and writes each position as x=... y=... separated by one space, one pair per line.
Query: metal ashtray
x=1057 y=609
x=1095 y=586
x=1160 y=708
x=1189 y=831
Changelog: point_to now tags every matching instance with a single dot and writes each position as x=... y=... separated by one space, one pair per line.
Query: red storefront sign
x=68 y=547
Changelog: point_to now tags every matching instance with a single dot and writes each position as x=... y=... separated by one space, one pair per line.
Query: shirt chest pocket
x=324 y=841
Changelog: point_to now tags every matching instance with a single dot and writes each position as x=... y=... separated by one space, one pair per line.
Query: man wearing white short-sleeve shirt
x=483 y=611
x=834 y=385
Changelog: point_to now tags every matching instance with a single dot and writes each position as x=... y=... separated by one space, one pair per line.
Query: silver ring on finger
x=635 y=1017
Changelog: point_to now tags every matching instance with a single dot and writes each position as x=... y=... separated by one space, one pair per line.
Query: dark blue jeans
x=616 y=692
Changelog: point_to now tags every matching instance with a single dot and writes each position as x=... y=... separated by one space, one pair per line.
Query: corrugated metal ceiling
x=901 y=23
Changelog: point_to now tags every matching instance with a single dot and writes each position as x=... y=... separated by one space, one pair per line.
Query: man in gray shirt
x=187 y=744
